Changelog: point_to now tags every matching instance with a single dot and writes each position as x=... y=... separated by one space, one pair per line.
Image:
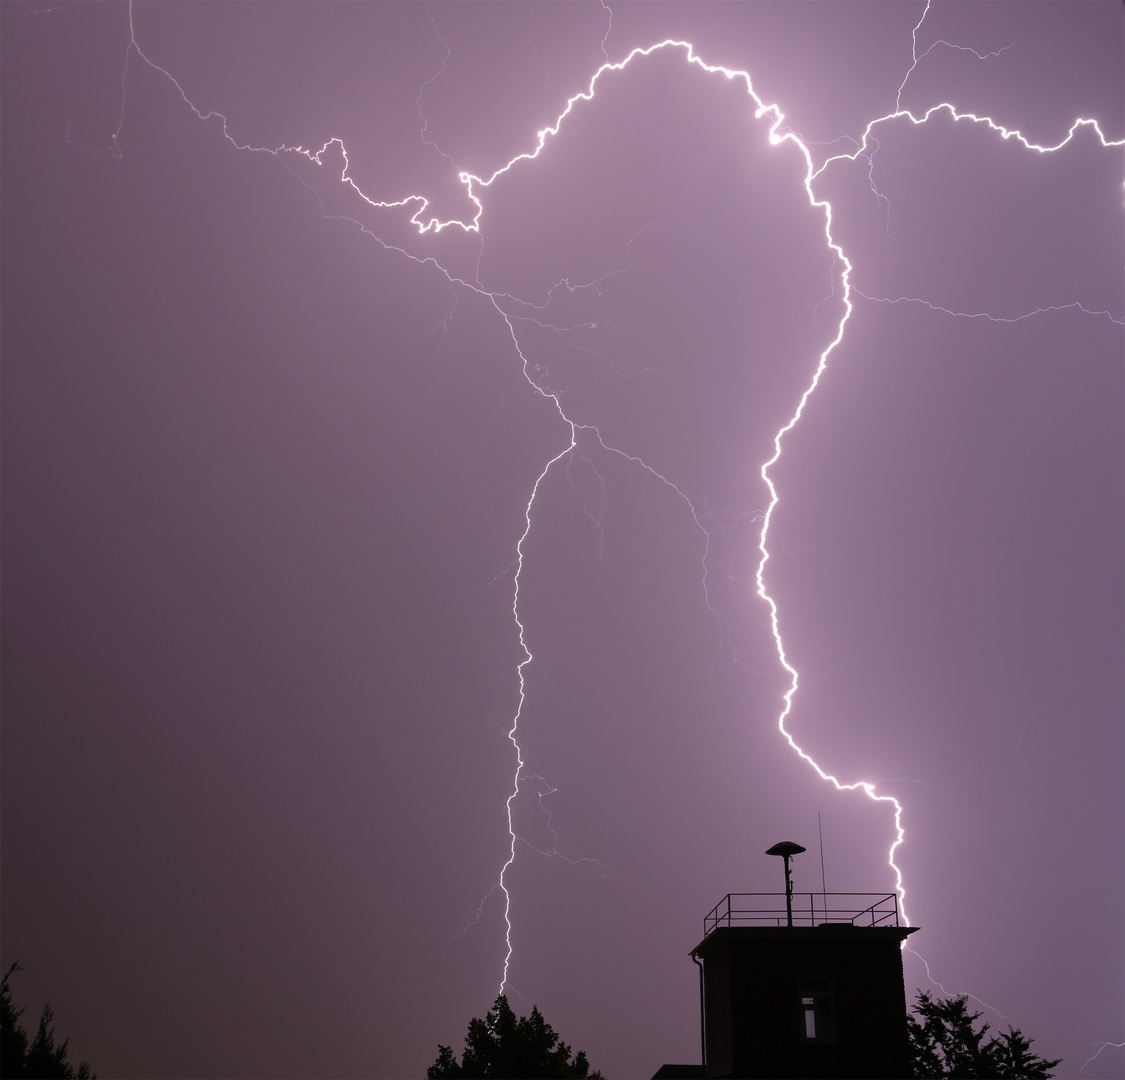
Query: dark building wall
x=717 y=1013
x=755 y=979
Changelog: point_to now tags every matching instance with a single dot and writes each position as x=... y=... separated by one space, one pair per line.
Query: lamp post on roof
x=787 y=849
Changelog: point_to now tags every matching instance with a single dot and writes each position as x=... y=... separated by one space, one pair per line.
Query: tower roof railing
x=809 y=909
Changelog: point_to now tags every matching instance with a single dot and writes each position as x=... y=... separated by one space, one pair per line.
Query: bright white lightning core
x=475 y=186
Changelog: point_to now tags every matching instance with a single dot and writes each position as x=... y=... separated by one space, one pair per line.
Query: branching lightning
x=1101 y=1046
x=512 y=311
x=1075 y=306
x=916 y=59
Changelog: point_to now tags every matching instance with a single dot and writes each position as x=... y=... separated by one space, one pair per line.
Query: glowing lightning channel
x=1097 y=1053
x=776 y=136
x=521 y=671
x=865 y=786
x=916 y=59
x=513 y=733
x=474 y=184
x=1075 y=306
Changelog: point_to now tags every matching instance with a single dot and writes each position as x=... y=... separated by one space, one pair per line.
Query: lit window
x=817 y=1019
x=809 y=1006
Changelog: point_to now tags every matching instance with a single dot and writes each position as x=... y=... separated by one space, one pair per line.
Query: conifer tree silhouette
x=945 y=1043
x=37 y=1058
x=503 y=1046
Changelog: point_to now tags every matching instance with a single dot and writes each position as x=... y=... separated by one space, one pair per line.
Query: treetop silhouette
x=944 y=1042
x=503 y=1045
x=38 y=1057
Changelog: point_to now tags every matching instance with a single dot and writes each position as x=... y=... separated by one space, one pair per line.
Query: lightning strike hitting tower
x=805 y=985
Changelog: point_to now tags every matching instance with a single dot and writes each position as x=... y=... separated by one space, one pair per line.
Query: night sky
x=307 y=501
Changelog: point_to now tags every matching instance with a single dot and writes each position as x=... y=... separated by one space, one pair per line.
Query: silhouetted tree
x=504 y=1047
x=38 y=1058
x=945 y=1042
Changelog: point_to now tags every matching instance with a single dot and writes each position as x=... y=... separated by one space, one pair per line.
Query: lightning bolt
x=1050 y=309
x=1097 y=1053
x=512 y=310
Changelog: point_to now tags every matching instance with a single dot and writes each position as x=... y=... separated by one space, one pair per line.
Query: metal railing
x=809 y=909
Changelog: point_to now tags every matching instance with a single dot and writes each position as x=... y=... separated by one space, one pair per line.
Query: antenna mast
x=823 y=887
x=787 y=849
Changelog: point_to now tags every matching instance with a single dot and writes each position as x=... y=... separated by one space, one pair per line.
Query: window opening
x=817 y=1011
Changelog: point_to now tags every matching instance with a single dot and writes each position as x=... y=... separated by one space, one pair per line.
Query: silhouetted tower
x=813 y=989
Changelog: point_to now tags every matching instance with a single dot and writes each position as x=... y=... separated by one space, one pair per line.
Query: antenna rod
x=823 y=887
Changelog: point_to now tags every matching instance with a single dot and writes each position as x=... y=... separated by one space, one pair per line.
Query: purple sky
x=269 y=453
